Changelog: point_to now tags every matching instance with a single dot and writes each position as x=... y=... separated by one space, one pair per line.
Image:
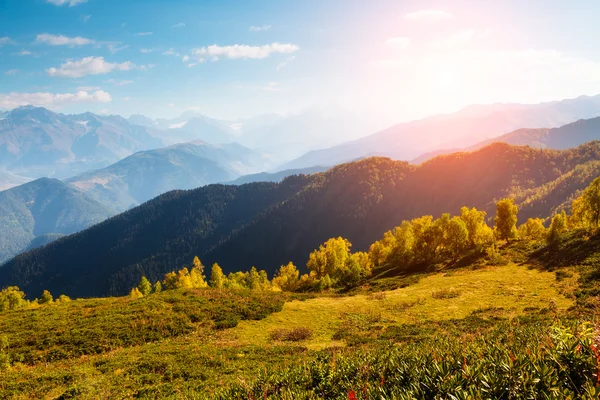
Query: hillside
x=275 y=176
x=42 y=207
x=564 y=137
x=267 y=224
x=465 y=128
x=145 y=175
x=473 y=331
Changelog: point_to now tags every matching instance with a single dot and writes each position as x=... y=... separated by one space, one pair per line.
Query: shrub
x=291 y=335
x=445 y=294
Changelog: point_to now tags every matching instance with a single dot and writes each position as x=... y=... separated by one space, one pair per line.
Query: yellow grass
x=510 y=287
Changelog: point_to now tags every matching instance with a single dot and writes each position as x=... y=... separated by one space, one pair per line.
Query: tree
x=330 y=257
x=586 y=208
x=217 y=277
x=479 y=232
x=287 y=278
x=557 y=228
x=157 y=287
x=145 y=287
x=456 y=237
x=358 y=267
x=506 y=219
x=198 y=280
x=135 y=293
x=63 y=299
x=46 y=298
x=170 y=281
x=12 y=298
x=533 y=229
x=184 y=280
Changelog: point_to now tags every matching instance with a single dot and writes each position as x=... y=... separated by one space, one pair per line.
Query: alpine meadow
x=347 y=200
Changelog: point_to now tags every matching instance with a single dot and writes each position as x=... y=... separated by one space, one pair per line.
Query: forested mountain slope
x=266 y=225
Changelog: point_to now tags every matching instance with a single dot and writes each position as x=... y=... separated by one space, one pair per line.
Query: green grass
x=512 y=288
x=83 y=327
x=415 y=333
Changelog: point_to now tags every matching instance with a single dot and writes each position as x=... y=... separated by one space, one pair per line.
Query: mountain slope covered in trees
x=267 y=225
x=40 y=208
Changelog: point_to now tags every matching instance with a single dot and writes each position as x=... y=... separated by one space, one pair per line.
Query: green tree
x=145 y=287
x=135 y=293
x=217 y=278
x=586 y=208
x=456 y=237
x=479 y=232
x=557 y=228
x=533 y=229
x=157 y=287
x=12 y=298
x=287 y=278
x=358 y=267
x=506 y=219
x=46 y=298
x=170 y=281
x=197 y=278
x=63 y=298
x=330 y=257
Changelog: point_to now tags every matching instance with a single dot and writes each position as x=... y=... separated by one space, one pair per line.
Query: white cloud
x=399 y=42
x=457 y=39
x=61 y=40
x=179 y=25
x=6 y=40
x=24 y=52
x=12 y=72
x=171 y=52
x=236 y=51
x=119 y=83
x=88 y=88
x=185 y=58
x=146 y=51
x=272 y=87
x=144 y=33
x=70 y=3
x=428 y=15
x=86 y=18
x=52 y=100
x=88 y=66
x=285 y=62
x=259 y=28
x=115 y=47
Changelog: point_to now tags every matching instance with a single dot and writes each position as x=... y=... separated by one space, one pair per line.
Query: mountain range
x=36 y=142
x=564 y=137
x=269 y=224
x=147 y=174
x=465 y=128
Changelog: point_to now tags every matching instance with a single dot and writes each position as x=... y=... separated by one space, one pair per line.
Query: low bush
x=291 y=335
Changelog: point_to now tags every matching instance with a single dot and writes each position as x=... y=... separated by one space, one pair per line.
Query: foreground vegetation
x=438 y=308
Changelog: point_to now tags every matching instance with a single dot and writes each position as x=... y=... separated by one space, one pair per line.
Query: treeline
x=421 y=241
x=12 y=298
x=418 y=243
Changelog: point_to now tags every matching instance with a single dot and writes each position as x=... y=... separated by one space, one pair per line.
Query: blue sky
x=394 y=60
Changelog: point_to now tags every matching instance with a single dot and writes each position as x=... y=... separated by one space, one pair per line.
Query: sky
x=392 y=60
